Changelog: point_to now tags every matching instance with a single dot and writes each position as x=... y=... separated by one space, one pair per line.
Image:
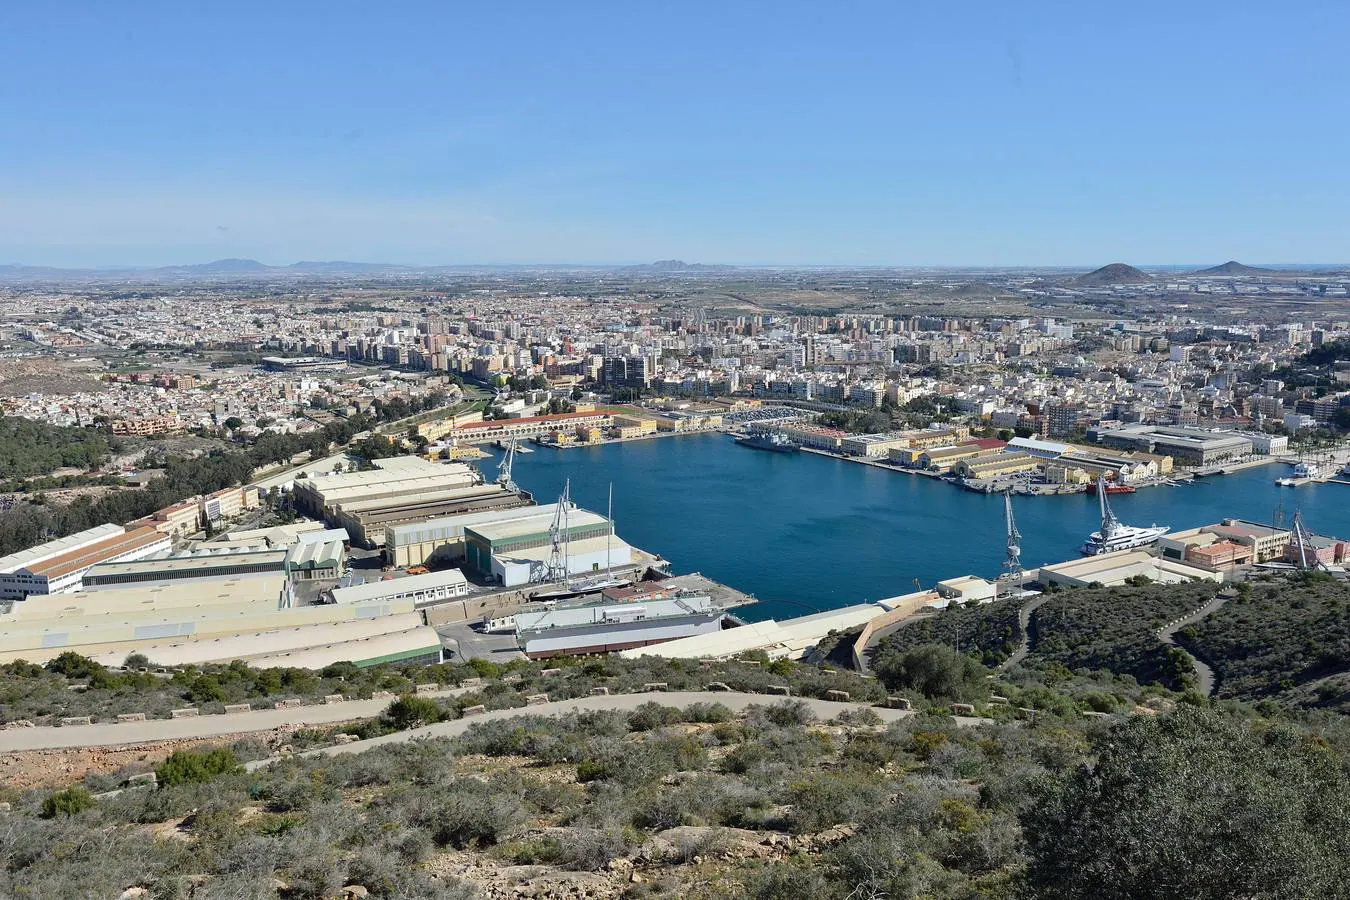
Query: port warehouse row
x=227 y=600
x=399 y=490
x=586 y=425
x=1124 y=452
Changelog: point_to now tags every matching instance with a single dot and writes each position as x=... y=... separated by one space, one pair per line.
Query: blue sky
x=887 y=133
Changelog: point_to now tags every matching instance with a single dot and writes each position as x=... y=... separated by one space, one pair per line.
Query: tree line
x=29 y=447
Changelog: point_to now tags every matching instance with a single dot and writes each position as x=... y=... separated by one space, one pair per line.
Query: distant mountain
x=1233 y=267
x=1115 y=273
x=219 y=267
x=675 y=265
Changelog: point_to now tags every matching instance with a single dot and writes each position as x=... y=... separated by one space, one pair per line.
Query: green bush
x=189 y=767
x=69 y=802
x=73 y=665
x=410 y=712
x=936 y=671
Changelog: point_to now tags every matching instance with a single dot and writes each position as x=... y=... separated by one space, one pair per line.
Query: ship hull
x=755 y=443
x=1141 y=537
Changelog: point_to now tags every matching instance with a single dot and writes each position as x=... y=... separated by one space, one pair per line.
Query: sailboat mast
x=609 y=533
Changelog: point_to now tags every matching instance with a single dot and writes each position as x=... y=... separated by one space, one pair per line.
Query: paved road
x=1023 y=625
x=1204 y=675
x=121 y=733
x=824 y=709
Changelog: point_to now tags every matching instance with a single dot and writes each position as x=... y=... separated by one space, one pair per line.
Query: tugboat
x=1114 y=535
x=771 y=440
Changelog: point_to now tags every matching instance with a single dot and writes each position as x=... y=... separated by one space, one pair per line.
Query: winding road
x=1204 y=675
x=1024 y=626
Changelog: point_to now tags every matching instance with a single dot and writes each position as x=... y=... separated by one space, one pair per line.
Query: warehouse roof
x=504 y=530
x=452 y=527
x=15 y=561
x=107 y=548
x=324 y=555
x=191 y=561
x=378 y=590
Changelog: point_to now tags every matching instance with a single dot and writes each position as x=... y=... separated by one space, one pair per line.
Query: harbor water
x=803 y=532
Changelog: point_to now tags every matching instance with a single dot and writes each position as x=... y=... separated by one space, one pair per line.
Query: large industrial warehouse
x=441 y=540
x=400 y=491
x=516 y=552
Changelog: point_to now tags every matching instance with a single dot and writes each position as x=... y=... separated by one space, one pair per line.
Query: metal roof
x=21 y=558
x=376 y=590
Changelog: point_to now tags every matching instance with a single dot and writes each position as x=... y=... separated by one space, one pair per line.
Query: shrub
x=592 y=770
x=859 y=718
x=189 y=767
x=69 y=802
x=205 y=689
x=136 y=661
x=409 y=712
x=707 y=713
x=651 y=715
x=73 y=665
x=786 y=714
x=936 y=671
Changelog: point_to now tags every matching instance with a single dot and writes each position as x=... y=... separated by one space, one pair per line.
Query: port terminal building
x=440 y=541
x=1187 y=446
x=433 y=587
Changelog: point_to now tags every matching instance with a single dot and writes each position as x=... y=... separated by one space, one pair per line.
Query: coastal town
x=335 y=461
x=699 y=451
x=997 y=401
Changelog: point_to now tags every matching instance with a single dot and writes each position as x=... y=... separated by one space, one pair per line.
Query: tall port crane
x=559 y=536
x=1012 y=561
x=504 y=467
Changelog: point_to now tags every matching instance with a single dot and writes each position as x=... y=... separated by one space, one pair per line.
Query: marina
x=803 y=532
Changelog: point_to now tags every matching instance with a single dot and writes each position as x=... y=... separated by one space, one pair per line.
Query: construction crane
x=1012 y=561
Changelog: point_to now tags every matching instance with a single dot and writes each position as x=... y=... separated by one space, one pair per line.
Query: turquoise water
x=800 y=530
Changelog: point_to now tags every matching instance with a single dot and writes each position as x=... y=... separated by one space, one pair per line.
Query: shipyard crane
x=504 y=468
x=1012 y=561
x=1303 y=541
x=558 y=536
